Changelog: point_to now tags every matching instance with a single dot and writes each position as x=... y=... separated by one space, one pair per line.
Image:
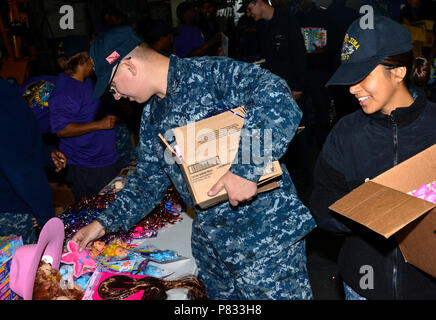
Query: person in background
x=341 y=17
x=395 y=123
x=251 y=247
x=248 y=42
x=111 y=16
x=25 y=194
x=189 y=41
x=208 y=24
x=158 y=35
x=87 y=135
x=280 y=41
x=315 y=24
x=415 y=10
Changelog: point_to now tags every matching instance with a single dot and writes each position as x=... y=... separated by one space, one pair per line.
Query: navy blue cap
x=365 y=48
x=74 y=44
x=108 y=50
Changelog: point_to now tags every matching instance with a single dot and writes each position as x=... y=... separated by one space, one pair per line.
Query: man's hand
x=59 y=160
x=87 y=234
x=238 y=189
x=108 y=122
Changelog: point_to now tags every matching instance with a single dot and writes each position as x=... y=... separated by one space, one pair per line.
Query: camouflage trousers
x=18 y=225
x=278 y=276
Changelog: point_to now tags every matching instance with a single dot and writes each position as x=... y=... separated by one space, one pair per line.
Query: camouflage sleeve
x=271 y=120
x=143 y=191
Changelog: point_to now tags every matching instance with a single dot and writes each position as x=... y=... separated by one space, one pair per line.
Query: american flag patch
x=112 y=57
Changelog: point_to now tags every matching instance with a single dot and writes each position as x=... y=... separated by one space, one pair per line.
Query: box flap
x=381 y=209
x=412 y=173
x=417 y=242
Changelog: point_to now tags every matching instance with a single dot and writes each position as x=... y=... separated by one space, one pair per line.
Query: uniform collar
x=160 y=108
x=405 y=115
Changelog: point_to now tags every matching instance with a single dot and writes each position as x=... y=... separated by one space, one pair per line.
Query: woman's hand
x=238 y=189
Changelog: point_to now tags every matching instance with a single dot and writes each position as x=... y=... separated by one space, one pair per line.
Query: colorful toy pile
x=113 y=258
x=8 y=245
x=168 y=212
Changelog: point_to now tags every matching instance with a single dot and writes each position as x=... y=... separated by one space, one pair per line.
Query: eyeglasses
x=111 y=90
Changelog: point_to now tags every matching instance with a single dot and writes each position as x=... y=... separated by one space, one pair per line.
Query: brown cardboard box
x=383 y=205
x=207 y=149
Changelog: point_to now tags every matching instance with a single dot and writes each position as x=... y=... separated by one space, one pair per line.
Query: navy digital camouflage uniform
x=254 y=251
x=18 y=224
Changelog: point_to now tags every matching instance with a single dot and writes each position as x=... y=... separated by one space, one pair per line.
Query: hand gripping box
x=205 y=151
x=383 y=205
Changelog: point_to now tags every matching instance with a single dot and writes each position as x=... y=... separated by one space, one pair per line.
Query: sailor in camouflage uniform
x=254 y=250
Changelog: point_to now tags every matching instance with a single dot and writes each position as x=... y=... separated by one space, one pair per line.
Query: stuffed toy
x=47 y=285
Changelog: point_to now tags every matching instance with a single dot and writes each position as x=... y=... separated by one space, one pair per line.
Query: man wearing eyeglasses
x=251 y=247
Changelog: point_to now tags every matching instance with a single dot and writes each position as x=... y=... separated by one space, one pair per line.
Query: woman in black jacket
x=395 y=123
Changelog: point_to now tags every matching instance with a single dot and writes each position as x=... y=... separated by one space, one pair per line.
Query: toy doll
x=47 y=285
x=97 y=249
x=116 y=248
x=121 y=287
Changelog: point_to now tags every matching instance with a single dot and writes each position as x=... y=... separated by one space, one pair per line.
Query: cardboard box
x=8 y=246
x=206 y=150
x=383 y=205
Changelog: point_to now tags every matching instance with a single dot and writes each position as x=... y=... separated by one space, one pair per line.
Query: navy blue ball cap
x=108 y=49
x=365 y=48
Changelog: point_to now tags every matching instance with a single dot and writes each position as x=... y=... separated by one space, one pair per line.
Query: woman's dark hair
x=120 y=287
x=69 y=64
x=418 y=69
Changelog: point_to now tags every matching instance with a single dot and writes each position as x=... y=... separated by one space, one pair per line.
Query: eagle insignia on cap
x=350 y=46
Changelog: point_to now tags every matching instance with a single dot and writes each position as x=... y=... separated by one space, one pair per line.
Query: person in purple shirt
x=87 y=136
x=189 y=41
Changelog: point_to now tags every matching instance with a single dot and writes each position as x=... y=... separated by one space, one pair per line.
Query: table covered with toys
x=152 y=260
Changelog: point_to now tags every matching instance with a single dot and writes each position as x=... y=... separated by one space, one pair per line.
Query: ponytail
x=420 y=73
x=418 y=69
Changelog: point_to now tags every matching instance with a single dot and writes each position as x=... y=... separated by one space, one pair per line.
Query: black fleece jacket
x=363 y=146
x=282 y=45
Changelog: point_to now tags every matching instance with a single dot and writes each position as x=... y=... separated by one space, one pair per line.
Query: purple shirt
x=188 y=39
x=72 y=102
